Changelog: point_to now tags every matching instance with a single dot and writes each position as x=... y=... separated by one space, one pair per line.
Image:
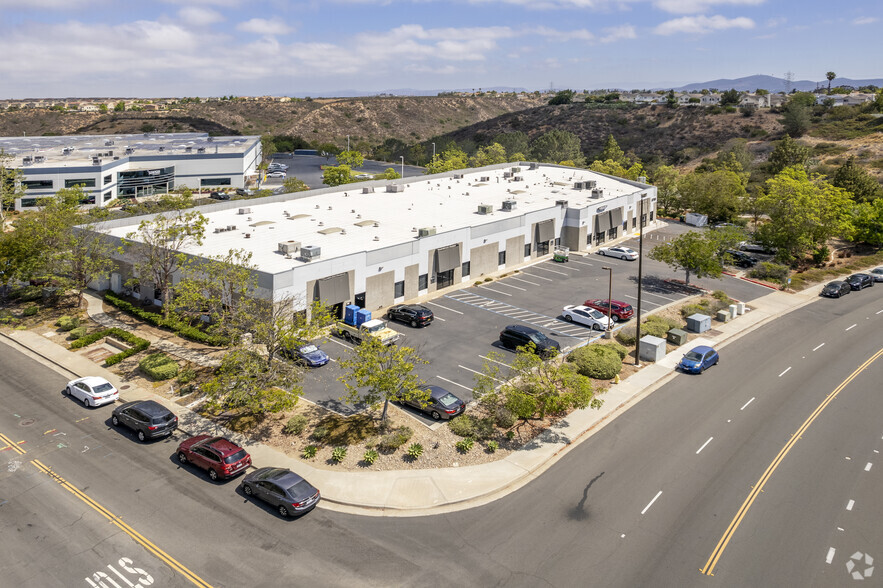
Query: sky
x=178 y=48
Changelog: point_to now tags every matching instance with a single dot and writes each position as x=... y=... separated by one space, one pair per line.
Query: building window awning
x=616 y=217
x=448 y=258
x=333 y=290
x=545 y=231
x=602 y=222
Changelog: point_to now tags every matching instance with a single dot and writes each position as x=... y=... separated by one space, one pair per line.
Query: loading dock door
x=333 y=291
x=616 y=218
x=447 y=260
x=545 y=232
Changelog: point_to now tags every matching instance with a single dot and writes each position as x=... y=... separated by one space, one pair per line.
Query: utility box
x=734 y=311
x=698 y=323
x=676 y=336
x=723 y=316
x=362 y=316
x=740 y=308
x=652 y=348
x=349 y=314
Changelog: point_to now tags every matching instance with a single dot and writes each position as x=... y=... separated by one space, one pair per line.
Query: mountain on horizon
x=397 y=92
x=773 y=84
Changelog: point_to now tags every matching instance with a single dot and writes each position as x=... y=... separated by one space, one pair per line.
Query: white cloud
x=262 y=26
x=700 y=25
x=697 y=6
x=41 y=4
x=612 y=34
x=556 y=35
x=863 y=20
x=197 y=16
x=228 y=3
x=776 y=22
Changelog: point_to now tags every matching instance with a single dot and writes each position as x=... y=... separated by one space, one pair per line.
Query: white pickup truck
x=373 y=328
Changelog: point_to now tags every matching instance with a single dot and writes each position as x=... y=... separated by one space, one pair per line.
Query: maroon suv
x=221 y=457
x=619 y=311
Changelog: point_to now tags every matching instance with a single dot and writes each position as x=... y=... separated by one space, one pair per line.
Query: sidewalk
x=433 y=491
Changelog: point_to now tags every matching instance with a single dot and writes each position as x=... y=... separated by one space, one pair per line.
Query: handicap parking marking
x=525 y=281
x=445 y=307
x=539 y=277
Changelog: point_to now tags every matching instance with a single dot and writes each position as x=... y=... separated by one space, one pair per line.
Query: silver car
x=877 y=274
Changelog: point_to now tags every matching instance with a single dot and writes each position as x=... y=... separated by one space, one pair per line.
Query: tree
x=379 y=373
x=731 y=97
x=805 y=211
x=613 y=152
x=86 y=257
x=562 y=97
x=245 y=381
x=450 y=159
x=857 y=181
x=11 y=186
x=337 y=176
x=671 y=100
x=533 y=387
x=614 y=168
x=693 y=252
x=350 y=158
x=867 y=223
x=830 y=75
x=388 y=174
x=717 y=194
x=490 y=155
x=807 y=99
x=514 y=142
x=797 y=119
x=327 y=149
x=102 y=108
x=556 y=146
x=878 y=101
x=293 y=184
x=788 y=153
x=119 y=106
x=158 y=245
x=666 y=178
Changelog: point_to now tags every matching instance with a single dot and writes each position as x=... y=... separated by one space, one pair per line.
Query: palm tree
x=830 y=75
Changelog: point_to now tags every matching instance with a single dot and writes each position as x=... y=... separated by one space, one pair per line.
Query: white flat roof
x=443 y=203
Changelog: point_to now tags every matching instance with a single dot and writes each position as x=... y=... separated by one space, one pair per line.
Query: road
x=643 y=502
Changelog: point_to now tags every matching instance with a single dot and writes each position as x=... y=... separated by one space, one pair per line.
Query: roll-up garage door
x=602 y=222
x=448 y=258
x=545 y=230
x=616 y=217
x=334 y=289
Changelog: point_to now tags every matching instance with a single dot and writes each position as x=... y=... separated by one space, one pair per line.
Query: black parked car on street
x=860 y=281
x=835 y=289
x=148 y=418
x=412 y=314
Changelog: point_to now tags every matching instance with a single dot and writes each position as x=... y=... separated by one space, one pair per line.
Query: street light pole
x=640 y=275
x=347 y=142
x=433 y=151
x=609 y=333
x=403 y=165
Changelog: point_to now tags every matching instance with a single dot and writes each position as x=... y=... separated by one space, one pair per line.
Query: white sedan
x=585 y=316
x=620 y=252
x=276 y=174
x=92 y=391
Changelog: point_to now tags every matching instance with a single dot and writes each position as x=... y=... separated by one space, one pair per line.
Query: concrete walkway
x=430 y=491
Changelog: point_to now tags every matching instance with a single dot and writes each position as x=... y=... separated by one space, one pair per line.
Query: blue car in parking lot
x=698 y=359
x=307 y=354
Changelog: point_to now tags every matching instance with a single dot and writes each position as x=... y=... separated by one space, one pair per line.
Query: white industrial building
x=125 y=166
x=384 y=242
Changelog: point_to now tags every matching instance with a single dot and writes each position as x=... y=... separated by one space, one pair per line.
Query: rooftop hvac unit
x=597 y=193
x=590 y=184
x=130 y=150
x=578 y=185
x=517 y=179
x=561 y=203
x=310 y=252
x=534 y=166
x=642 y=179
x=507 y=174
x=458 y=176
x=39 y=159
x=368 y=190
x=108 y=143
x=395 y=188
x=426 y=231
x=288 y=247
x=244 y=211
x=210 y=139
x=188 y=149
x=200 y=149
x=515 y=170
x=161 y=148
x=67 y=150
x=96 y=161
x=485 y=208
x=485 y=178
x=509 y=205
x=27 y=160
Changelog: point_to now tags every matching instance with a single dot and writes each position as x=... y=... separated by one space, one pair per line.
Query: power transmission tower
x=789 y=79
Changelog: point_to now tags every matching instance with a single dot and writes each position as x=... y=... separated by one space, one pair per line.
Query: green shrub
x=658 y=326
x=187 y=375
x=626 y=336
x=27 y=294
x=310 y=451
x=396 y=439
x=415 y=450
x=464 y=445
x=774 y=272
x=159 y=366
x=180 y=327
x=492 y=446
x=295 y=425
x=67 y=323
x=721 y=295
x=484 y=428
x=596 y=361
x=691 y=309
x=510 y=435
x=370 y=456
x=77 y=333
x=338 y=454
x=620 y=350
x=504 y=418
x=30 y=310
x=462 y=426
x=320 y=433
x=137 y=343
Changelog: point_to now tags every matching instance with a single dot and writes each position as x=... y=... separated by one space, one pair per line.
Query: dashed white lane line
x=649 y=504
x=497 y=291
x=511 y=286
x=785 y=372
x=454 y=383
x=538 y=277
x=747 y=403
x=495 y=361
x=830 y=557
x=819 y=346
x=525 y=281
x=850 y=504
x=703 y=445
x=868 y=467
x=852 y=327
x=479 y=373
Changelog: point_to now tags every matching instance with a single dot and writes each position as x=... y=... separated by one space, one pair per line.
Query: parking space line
x=528 y=282
x=479 y=373
x=539 y=277
x=500 y=283
x=437 y=318
x=341 y=344
x=661 y=296
x=495 y=361
x=581 y=262
x=539 y=267
x=445 y=307
x=497 y=291
x=520 y=313
x=454 y=383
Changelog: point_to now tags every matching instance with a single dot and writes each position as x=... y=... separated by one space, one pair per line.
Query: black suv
x=515 y=336
x=741 y=259
x=413 y=314
x=149 y=419
x=860 y=281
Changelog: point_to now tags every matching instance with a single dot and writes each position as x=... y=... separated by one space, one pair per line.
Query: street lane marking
x=649 y=504
x=703 y=445
x=758 y=487
x=11 y=445
x=533 y=283
x=445 y=307
x=853 y=326
x=868 y=467
x=818 y=346
x=747 y=403
x=850 y=504
x=539 y=277
x=785 y=372
x=454 y=383
x=830 y=557
x=118 y=522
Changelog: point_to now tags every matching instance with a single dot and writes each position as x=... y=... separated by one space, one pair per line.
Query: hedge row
x=599 y=361
x=159 y=366
x=138 y=344
x=179 y=327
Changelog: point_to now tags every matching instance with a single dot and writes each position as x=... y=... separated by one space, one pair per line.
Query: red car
x=619 y=311
x=221 y=457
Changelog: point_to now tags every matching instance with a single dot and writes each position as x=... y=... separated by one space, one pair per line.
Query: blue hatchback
x=698 y=359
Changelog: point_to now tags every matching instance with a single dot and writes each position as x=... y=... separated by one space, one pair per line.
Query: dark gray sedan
x=441 y=404
x=282 y=488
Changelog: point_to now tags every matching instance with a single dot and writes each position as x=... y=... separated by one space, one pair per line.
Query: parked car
x=307 y=353
x=413 y=314
x=441 y=404
x=276 y=174
x=242 y=192
x=515 y=336
x=620 y=252
x=860 y=281
x=741 y=259
x=877 y=274
x=219 y=196
x=219 y=456
x=277 y=166
x=92 y=391
x=755 y=247
x=364 y=177
x=282 y=488
x=835 y=289
x=698 y=359
x=619 y=311
x=587 y=316
x=148 y=418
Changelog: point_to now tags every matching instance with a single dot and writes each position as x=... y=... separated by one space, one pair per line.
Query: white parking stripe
x=445 y=307
x=479 y=373
x=454 y=383
x=525 y=281
x=341 y=344
x=495 y=361
x=539 y=267
x=511 y=286
x=497 y=291
x=520 y=313
x=581 y=262
x=539 y=277
x=660 y=296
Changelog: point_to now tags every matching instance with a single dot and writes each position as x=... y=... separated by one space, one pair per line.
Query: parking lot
x=468 y=321
x=308 y=169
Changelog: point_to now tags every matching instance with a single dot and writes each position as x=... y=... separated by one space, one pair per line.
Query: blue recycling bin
x=363 y=316
x=349 y=314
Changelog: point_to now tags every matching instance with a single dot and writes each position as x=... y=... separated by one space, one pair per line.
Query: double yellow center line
x=138 y=537
x=758 y=487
